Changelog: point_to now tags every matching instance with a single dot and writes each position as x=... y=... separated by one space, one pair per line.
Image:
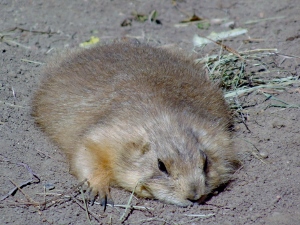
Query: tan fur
x=118 y=110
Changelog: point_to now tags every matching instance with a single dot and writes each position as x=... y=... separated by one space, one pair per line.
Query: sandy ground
x=265 y=191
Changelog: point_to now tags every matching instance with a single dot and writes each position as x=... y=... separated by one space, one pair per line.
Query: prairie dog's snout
x=140 y=118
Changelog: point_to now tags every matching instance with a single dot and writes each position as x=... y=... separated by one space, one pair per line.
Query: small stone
x=264 y=154
x=49 y=186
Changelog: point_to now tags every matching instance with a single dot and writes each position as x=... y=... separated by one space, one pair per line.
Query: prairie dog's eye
x=205 y=165
x=162 y=167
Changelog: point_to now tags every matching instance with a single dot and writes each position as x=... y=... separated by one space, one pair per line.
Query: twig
x=63 y=194
x=12 y=105
x=258 y=51
x=27 y=196
x=31 y=202
x=31 y=31
x=287 y=56
x=14 y=43
x=128 y=203
x=30 y=61
x=286 y=105
x=83 y=207
x=132 y=206
x=17 y=187
x=265 y=19
x=225 y=47
x=34 y=180
x=256 y=154
x=200 y=215
x=153 y=219
x=241 y=91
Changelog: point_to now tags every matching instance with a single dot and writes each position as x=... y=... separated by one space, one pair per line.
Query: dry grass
x=239 y=76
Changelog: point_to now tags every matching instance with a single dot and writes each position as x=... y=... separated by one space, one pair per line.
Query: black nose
x=193 y=198
x=194 y=194
x=197 y=199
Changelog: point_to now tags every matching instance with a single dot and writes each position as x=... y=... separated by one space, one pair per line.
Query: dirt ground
x=266 y=190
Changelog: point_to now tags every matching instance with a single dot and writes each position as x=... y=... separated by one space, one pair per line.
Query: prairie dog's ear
x=139 y=146
x=145 y=148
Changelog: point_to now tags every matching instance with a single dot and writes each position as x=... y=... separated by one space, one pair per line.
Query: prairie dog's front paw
x=92 y=164
x=99 y=186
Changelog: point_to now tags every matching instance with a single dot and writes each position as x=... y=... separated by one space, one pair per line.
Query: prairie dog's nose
x=194 y=194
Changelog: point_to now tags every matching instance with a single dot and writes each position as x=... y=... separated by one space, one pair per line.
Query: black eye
x=205 y=165
x=162 y=167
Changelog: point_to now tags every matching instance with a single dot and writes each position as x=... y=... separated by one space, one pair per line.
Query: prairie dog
x=138 y=117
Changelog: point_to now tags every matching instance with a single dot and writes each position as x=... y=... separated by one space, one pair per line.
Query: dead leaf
x=126 y=22
x=191 y=19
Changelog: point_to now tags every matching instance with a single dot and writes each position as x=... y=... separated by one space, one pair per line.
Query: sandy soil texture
x=266 y=190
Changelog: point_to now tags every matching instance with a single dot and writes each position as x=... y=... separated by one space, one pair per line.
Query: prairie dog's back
x=94 y=84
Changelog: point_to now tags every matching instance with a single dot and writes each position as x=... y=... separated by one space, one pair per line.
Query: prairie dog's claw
x=110 y=201
x=105 y=198
x=106 y=201
x=92 y=195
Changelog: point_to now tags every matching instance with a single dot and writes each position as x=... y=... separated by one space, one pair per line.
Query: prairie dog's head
x=175 y=177
x=175 y=164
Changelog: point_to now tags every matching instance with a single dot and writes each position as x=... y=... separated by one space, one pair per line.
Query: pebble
x=49 y=186
x=263 y=154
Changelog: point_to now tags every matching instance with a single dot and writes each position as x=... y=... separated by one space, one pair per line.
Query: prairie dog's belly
x=140 y=118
